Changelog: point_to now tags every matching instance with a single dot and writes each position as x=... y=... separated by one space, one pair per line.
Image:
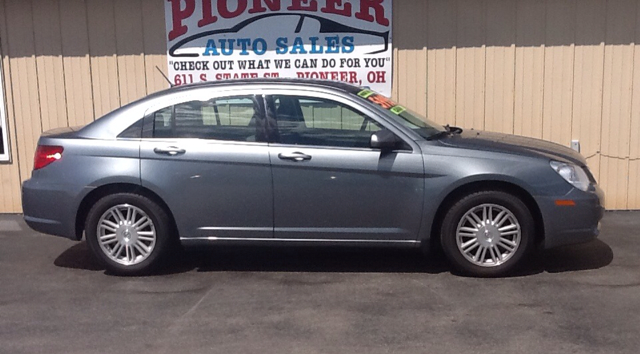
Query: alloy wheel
x=488 y=235
x=126 y=234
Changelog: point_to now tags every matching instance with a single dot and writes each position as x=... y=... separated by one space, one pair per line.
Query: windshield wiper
x=448 y=130
x=454 y=130
x=439 y=135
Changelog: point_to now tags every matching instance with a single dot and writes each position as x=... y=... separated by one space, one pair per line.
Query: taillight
x=45 y=155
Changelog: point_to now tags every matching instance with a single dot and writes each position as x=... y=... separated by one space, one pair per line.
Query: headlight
x=572 y=174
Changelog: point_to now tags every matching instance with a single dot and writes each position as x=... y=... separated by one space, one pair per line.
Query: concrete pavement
x=582 y=299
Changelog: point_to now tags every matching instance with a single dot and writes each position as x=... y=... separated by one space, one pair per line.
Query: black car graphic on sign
x=326 y=27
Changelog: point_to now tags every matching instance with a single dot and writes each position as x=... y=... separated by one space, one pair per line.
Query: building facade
x=558 y=70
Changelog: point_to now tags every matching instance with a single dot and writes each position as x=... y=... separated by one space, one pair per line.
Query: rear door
x=208 y=160
x=329 y=184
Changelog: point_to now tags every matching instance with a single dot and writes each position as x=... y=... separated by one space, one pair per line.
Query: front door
x=330 y=185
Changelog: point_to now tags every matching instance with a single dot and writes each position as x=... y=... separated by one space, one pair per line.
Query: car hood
x=513 y=144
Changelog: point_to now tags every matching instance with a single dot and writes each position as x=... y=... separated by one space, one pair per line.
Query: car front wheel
x=487 y=233
x=128 y=233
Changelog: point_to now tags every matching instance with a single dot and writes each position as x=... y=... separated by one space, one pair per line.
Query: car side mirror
x=384 y=140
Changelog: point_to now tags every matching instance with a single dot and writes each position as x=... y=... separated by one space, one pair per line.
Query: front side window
x=229 y=118
x=321 y=122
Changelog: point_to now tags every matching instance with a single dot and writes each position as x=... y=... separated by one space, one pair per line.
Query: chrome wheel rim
x=126 y=234
x=488 y=235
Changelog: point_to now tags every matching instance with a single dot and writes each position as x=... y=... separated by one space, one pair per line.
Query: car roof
x=337 y=85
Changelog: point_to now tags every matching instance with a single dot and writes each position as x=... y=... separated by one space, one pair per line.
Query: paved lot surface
x=581 y=299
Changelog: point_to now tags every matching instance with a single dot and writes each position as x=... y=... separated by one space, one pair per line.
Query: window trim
x=328 y=147
x=5 y=157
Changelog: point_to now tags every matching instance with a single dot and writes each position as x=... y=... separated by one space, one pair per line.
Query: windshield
x=421 y=125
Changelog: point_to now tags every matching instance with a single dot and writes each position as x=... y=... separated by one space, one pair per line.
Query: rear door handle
x=170 y=150
x=294 y=156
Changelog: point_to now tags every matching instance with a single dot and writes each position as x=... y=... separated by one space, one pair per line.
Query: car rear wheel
x=487 y=233
x=128 y=233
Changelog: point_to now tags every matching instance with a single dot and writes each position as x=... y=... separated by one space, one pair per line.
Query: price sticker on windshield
x=382 y=101
x=397 y=110
x=366 y=93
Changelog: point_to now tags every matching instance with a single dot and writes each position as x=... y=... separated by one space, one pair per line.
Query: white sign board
x=342 y=40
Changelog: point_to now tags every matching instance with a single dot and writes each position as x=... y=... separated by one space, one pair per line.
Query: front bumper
x=565 y=225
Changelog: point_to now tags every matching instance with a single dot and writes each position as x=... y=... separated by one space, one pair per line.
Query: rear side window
x=229 y=118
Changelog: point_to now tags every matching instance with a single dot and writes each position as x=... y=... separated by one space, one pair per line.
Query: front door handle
x=170 y=150
x=294 y=156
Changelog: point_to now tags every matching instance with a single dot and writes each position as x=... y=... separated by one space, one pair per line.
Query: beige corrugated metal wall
x=555 y=69
x=67 y=62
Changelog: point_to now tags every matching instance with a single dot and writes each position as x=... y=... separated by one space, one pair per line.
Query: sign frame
x=215 y=40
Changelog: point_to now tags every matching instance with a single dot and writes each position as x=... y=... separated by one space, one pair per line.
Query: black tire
x=160 y=223
x=454 y=218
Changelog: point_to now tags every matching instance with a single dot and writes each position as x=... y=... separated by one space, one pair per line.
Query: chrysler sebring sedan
x=282 y=161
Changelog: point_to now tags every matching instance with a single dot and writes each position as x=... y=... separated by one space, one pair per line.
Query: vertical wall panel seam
x=633 y=68
x=35 y=63
x=484 y=74
x=394 y=55
x=426 y=57
x=144 y=47
x=402 y=93
x=117 y=62
x=573 y=69
x=544 y=65
x=64 y=75
x=604 y=67
x=18 y=105
x=455 y=72
x=93 y=97
x=455 y=63
x=631 y=156
x=13 y=100
x=515 y=70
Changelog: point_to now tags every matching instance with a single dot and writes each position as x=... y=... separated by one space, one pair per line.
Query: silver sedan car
x=280 y=161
